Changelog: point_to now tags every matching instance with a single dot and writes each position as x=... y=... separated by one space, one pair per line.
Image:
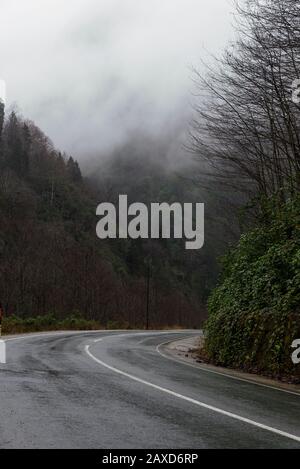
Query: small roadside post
x=2 y=343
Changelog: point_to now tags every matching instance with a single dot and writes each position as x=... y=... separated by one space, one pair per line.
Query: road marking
x=105 y=331
x=52 y=334
x=220 y=373
x=167 y=391
x=192 y=401
x=198 y=367
x=149 y=337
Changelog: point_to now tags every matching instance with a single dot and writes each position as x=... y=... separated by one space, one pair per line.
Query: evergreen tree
x=74 y=171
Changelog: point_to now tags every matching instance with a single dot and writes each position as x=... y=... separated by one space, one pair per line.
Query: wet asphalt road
x=114 y=390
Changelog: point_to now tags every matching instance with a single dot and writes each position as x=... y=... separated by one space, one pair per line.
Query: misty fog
x=93 y=73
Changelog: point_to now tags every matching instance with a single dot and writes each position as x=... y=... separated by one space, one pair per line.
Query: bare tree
x=246 y=125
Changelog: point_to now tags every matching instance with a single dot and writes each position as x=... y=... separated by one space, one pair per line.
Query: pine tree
x=19 y=141
x=74 y=170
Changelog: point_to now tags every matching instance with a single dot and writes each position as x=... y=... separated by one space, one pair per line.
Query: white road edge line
x=245 y=380
x=50 y=334
x=192 y=401
x=65 y=333
x=220 y=373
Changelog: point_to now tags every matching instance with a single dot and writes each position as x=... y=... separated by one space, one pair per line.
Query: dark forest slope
x=50 y=258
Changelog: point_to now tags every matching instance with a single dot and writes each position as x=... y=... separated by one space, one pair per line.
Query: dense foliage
x=255 y=312
x=48 y=322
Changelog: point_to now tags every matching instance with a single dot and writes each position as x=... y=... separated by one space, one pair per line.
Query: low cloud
x=93 y=72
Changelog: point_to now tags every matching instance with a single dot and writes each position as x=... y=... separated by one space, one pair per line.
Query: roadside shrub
x=254 y=314
x=17 y=325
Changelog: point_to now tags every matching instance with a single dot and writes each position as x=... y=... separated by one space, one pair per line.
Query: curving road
x=115 y=390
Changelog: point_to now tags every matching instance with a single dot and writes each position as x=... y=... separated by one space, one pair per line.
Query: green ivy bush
x=254 y=313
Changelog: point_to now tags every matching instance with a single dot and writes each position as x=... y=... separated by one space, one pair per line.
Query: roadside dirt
x=187 y=351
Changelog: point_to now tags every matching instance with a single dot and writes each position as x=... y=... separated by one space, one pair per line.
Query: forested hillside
x=140 y=170
x=51 y=261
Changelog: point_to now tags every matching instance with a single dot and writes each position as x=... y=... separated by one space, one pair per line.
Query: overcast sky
x=92 y=72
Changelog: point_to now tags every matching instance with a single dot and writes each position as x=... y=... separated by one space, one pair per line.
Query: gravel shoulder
x=185 y=350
